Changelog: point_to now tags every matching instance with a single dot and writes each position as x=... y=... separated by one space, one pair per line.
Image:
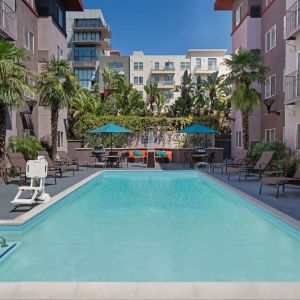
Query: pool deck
x=288 y=204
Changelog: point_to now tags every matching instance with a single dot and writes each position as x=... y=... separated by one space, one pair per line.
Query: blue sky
x=164 y=26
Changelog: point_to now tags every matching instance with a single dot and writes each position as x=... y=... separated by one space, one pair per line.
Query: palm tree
x=152 y=93
x=57 y=86
x=161 y=101
x=111 y=78
x=13 y=81
x=246 y=67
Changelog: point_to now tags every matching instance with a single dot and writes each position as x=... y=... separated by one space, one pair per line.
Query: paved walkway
x=288 y=203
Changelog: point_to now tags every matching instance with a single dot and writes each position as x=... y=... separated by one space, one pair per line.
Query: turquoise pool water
x=154 y=226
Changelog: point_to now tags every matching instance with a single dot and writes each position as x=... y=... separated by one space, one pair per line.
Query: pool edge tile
x=7 y=289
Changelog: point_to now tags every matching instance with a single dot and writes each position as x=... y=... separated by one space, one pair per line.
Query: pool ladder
x=3 y=243
x=199 y=165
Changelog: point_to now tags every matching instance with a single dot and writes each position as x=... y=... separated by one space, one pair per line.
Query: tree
x=152 y=93
x=57 y=86
x=111 y=78
x=246 y=68
x=161 y=101
x=13 y=81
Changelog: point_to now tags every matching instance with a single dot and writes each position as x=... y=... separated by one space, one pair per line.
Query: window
x=255 y=11
x=270 y=39
x=85 y=77
x=212 y=64
x=31 y=83
x=169 y=95
x=156 y=79
x=298 y=137
x=138 y=80
x=84 y=53
x=270 y=87
x=156 y=65
x=238 y=15
x=60 y=16
x=60 y=53
x=168 y=78
x=270 y=135
x=88 y=23
x=60 y=139
x=169 y=65
x=238 y=139
x=29 y=40
x=86 y=36
x=185 y=65
x=138 y=65
x=198 y=63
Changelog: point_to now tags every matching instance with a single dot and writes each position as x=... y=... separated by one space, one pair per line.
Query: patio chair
x=213 y=165
x=18 y=163
x=280 y=181
x=52 y=166
x=237 y=162
x=67 y=160
x=258 y=169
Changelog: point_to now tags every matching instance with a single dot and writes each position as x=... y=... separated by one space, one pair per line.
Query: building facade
x=167 y=70
x=292 y=76
x=88 y=41
x=39 y=27
x=259 y=25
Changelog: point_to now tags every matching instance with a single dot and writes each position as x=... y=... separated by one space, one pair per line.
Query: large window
x=270 y=135
x=238 y=139
x=156 y=65
x=198 y=63
x=138 y=65
x=60 y=16
x=29 y=40
x=270 y=39
x=185 y=65
x=84 y=53
x=270 y=88
x=88 y=23
x=60 y=139
x=168 y=78
x=169 y=65
x=212 y=64
x=87 y=36
x=31 y=83
x=238 y=15
x=85 y=77
x=138 y=80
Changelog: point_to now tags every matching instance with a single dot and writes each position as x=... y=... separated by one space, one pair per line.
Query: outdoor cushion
x=161 y=153
x=130 y=154
x=144 y=153
x=138 y=153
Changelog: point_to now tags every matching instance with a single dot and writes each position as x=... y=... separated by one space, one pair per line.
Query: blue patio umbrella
x=110 y=129
x=197 y=129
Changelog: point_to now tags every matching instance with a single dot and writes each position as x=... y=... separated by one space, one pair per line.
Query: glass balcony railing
x=164 y=69
x=8 y=25
x=164 y=82
x=292 y=87
x=211 y=68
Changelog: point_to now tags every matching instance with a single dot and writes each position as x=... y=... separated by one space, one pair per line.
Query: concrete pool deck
x=166 y=290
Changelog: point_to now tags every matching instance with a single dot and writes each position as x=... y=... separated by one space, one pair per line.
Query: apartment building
x=167 y=70
x=259 y=25
x=88 y=38
x=39 y=27
x=292 y=76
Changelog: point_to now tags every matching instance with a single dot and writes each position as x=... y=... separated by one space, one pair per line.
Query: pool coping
x=149 y=290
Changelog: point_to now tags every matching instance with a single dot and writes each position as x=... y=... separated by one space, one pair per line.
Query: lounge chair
x=67 y=160
x=258 y=169
x=18 y=163
x=52 y=166
x=280 y=181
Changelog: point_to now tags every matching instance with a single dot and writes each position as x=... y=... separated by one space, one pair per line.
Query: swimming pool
x=154 y=226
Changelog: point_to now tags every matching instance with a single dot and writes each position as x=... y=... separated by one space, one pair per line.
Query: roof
x=73 y=5
x=223 y=4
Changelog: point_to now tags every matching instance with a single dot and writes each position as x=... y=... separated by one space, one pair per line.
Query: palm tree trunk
x=2 y=135
x=245 y=125
x=54 y=125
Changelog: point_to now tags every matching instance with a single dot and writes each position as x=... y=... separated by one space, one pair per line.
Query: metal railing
x=292 y=86
x=164 y=69
x=8 y=25
x=164 y=82
x=292 y=19
x=204 y=69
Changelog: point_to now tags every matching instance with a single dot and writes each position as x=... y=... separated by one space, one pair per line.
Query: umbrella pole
x=111 y=142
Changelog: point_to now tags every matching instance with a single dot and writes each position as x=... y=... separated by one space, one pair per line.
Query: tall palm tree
x=13 y=81
x=57 y=86
x=152 y=93
x=111 y=78
x=246 y=68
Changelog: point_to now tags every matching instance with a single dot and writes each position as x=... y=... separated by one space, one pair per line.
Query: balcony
x=104 y=43
x=8 y=25
x=169 y=84
x=103 y=29
x=205 y=70
x=165 y=70
x=292 y=21
x=84 y=64
x=292 y=87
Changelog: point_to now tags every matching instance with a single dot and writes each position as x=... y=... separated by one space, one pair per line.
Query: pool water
x=154 y=226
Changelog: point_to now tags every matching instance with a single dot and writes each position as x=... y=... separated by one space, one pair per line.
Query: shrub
x=27 y=145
